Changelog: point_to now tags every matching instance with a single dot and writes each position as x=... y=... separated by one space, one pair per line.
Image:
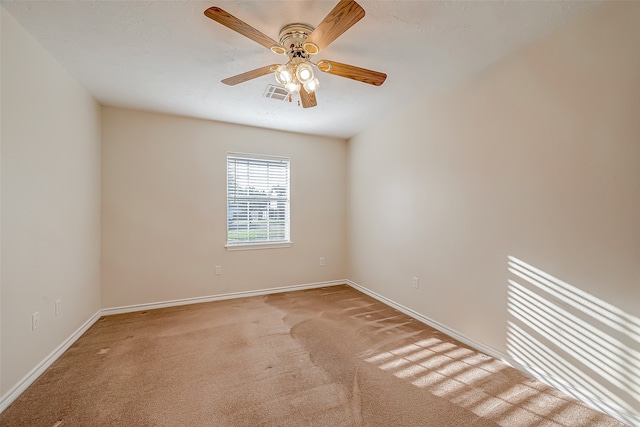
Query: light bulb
x=312 y=85
x=304 y=72
x=292 y=87
x=284 y=74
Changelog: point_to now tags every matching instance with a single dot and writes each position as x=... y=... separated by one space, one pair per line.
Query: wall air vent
x=276 y=92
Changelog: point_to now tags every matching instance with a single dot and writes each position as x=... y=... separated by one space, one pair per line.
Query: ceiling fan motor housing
x=293 y=36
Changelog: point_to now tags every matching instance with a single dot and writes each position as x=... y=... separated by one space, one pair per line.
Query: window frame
x=258 y=244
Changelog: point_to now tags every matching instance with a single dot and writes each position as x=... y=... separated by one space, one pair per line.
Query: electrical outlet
x=218 y=270
x=321 y=261
x=416 y=282
x=58 y=307
x=35 y=320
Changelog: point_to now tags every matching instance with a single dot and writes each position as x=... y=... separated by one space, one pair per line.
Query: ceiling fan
x=300 y=42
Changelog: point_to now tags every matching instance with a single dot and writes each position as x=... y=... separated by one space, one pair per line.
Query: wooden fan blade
x=230 y=21
x=308 y=99
x=363 y=75
x=340 y=19
x=241 y=78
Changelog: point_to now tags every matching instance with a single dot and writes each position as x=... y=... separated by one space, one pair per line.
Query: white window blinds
x=257 y=199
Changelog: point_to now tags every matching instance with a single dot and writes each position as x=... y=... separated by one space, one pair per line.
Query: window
x=257 y=200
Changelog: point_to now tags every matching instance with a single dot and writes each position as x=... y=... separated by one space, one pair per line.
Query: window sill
x=254 y=246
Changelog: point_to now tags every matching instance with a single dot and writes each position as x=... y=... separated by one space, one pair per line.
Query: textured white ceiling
x=167 y=56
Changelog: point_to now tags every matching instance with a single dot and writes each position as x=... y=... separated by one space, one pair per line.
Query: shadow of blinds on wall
x=571 y=336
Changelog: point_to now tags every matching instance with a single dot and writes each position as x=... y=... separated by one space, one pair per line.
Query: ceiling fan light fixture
x=312 y=85
x=292 y=87
x=284 y=74
x=304 y=73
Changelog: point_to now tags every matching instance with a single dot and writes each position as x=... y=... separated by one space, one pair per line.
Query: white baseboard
x=434 y=324
x=593 y=401
x=28 y=379
x=25 y=382
x=220 y=297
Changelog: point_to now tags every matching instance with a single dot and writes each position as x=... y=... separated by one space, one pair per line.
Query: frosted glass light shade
x=312 y=85
x=292 y=87
x=304 y=73
x=284 y=74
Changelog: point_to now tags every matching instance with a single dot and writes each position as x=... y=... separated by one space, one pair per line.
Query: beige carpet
x=322 y=357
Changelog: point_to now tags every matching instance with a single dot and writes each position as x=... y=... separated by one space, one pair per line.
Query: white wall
x=50 y=203
x=538 y=158
x=164 y=209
